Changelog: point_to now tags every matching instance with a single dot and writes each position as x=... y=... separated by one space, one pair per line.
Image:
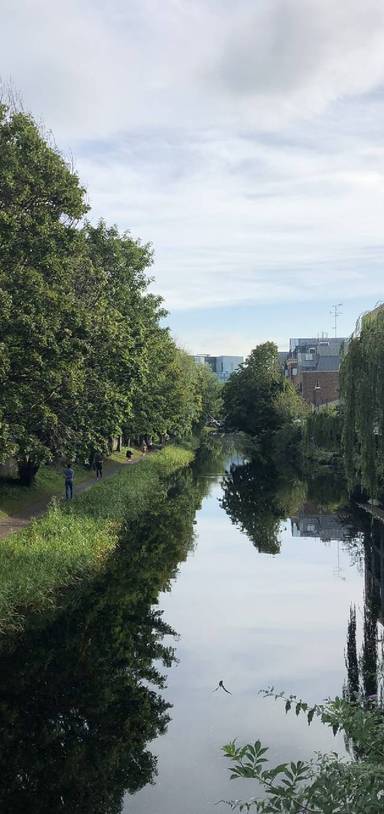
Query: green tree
x=211 y=390
x=258 y=400
x=41 y=202
x=362 y=393
x=83 y=353
x=124 y=316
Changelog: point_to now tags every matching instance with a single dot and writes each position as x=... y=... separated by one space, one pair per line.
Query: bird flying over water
x=220 y=686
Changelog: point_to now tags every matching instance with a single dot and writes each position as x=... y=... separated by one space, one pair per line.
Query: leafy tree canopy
x=258 y=400
x=83 y=352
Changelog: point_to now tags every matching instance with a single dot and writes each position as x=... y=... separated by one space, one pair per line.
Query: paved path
x=24 y=516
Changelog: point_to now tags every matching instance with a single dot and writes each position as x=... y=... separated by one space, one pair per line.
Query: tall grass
x=72 y=541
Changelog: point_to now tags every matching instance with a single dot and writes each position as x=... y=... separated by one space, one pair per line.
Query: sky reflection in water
x=253 y=620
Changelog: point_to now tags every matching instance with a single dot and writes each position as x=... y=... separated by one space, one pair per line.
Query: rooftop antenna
x=335 y=313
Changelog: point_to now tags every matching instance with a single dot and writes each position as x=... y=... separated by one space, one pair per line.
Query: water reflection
x=257 y=499
x=80 y=696
x=365 y=667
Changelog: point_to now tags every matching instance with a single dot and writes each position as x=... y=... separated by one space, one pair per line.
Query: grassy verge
x=16 y=499
x=72 y=541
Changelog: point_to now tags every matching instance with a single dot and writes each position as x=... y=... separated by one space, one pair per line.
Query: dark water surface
x=259 y=590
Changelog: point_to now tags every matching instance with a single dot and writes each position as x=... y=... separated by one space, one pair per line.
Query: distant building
x=283 y=356
x=200 y=358
x=326 y=527
x=223 y=366
x=313 y=365
x=226 y=365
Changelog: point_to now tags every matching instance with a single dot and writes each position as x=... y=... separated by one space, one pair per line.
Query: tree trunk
x=27 y=471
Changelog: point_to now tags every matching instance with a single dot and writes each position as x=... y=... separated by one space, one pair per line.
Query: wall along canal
x=257 y=599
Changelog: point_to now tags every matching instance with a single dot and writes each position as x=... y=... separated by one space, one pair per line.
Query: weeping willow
x=362 y=391
x=323 y=428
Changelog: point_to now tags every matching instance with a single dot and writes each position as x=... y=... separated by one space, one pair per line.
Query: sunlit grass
x=72 y=541
x=15 y=498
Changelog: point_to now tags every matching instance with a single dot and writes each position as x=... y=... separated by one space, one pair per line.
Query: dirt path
x=24 y=516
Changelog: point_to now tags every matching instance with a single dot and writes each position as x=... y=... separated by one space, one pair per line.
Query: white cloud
x=236 y=220
x=97 y=68
x=244 y=140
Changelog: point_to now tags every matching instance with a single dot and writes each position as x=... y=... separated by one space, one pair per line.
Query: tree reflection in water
x=365 y=670
x=80 y=695
x=257 y=498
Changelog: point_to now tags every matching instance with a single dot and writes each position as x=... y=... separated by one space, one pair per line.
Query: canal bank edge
x=72 y=541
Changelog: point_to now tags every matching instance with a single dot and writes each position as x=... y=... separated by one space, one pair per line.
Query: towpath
x=9 y=525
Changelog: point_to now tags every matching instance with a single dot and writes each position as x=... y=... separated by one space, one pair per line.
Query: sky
x=244 y=140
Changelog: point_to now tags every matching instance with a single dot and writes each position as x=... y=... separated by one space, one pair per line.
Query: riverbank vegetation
x=326 y=784
x=73 y=541
x=362 y=390
x=86 y=681
x=260 y=402
x=84 y=353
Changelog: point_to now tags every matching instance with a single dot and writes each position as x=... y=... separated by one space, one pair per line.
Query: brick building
x=320 y=386
x=313 y=365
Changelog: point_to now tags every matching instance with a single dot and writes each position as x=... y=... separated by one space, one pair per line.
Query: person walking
x=69 y=476
x=99 y=465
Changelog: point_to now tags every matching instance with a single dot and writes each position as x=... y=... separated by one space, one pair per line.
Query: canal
x=111 y=704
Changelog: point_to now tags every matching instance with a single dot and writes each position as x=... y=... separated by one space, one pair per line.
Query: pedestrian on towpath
x=99 y=465
x=69 y=476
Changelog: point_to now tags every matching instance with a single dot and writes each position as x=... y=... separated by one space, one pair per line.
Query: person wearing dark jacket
x=98 y=464
x=68 y=476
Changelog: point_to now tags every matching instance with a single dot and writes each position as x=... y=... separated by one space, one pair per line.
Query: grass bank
x=72 y=541
x=16 y=500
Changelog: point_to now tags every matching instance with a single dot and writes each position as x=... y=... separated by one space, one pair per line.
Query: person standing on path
x=99 y=465
x=69 y=476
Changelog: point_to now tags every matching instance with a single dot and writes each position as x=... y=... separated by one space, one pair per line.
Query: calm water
x=261 y=597
x=254 y=620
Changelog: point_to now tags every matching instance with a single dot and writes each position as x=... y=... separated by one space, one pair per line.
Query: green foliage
x=41 y=200
x=323 y=428
x=362 y=390
x=210 y=389
x=83 y=355
x=16 y=500
x=74 y=541
x=257 y=498
x=327 y=784
x=86 y=681
x=258 y=400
